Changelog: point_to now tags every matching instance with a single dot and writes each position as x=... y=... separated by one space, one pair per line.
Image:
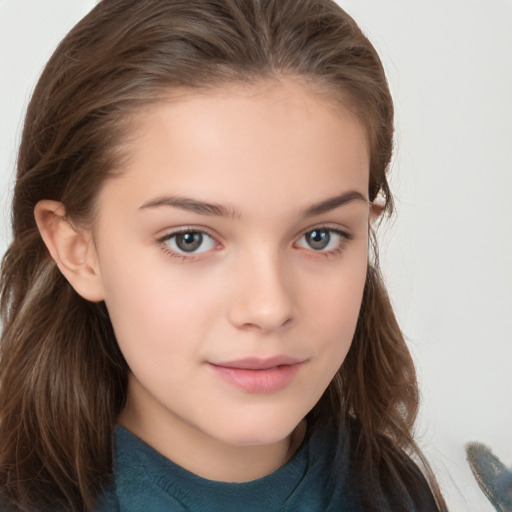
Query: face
x=232 y=251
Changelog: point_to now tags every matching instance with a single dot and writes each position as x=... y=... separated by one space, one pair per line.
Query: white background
x=447 y=256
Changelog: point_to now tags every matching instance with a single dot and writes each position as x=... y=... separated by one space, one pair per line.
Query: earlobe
x=72 y=249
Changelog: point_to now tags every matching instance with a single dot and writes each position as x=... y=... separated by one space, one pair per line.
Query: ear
x=376 y=210
x=72 y=249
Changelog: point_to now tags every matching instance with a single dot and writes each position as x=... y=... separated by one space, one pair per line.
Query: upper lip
x=257 y=363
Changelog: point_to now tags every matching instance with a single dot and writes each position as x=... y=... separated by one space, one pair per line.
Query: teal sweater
x=314 y=480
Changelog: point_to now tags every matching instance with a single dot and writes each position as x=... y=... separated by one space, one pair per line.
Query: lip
x=256 y=375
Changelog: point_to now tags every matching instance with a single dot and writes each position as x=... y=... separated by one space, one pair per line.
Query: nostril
x=250 y=315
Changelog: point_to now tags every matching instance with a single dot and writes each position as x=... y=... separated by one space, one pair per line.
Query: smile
x=255 y=375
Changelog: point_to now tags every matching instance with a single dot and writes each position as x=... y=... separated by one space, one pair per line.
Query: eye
x=189 y=242
x=323 y=239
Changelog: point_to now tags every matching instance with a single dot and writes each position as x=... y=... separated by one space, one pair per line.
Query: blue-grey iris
x=318 y=238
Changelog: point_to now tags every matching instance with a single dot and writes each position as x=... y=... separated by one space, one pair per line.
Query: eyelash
x=163 y=242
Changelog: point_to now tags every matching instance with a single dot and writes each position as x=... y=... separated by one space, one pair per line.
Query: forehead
x=278 y=139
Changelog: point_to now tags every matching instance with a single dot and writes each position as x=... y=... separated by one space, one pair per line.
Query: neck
x=206 y=456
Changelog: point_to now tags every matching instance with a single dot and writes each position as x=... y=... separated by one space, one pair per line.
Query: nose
x=263 y=299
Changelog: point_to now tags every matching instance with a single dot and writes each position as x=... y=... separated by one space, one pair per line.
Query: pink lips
x=256 y=375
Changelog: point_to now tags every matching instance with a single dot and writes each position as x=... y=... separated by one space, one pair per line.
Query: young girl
x=193 y=315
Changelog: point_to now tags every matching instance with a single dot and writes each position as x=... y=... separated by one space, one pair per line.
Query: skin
x=255 y=288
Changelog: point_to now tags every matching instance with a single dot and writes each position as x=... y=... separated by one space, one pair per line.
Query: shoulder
x=108 y=501
x=385 y=477
x=391 y=483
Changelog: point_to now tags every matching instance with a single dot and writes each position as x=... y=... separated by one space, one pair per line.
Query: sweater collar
x=143 y=472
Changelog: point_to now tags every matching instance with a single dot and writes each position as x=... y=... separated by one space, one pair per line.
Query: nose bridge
x=264 y=297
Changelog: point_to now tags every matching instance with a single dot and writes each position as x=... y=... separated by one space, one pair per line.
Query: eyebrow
x=334 y=202
x=219 y=210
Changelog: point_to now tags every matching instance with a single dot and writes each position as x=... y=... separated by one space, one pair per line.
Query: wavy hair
x=63 y=379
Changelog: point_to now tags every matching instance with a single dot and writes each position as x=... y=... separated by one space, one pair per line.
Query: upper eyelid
x=186 y=229
x=339 y=230
x=199 y=229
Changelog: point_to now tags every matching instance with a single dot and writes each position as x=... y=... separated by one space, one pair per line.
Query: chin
x=260 y=431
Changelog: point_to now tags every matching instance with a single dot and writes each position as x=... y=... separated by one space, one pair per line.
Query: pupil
x=189 y=241
x=319 y=239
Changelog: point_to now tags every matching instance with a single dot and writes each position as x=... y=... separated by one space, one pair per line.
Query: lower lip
x=258 y=381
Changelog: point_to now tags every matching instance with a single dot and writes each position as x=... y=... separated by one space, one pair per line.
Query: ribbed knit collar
x=146 y=480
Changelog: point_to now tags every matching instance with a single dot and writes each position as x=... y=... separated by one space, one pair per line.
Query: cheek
x=334 y=307
x=336 y=299
x=155 y=311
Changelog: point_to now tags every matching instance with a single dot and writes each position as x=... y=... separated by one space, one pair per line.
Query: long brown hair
x=62 y=377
